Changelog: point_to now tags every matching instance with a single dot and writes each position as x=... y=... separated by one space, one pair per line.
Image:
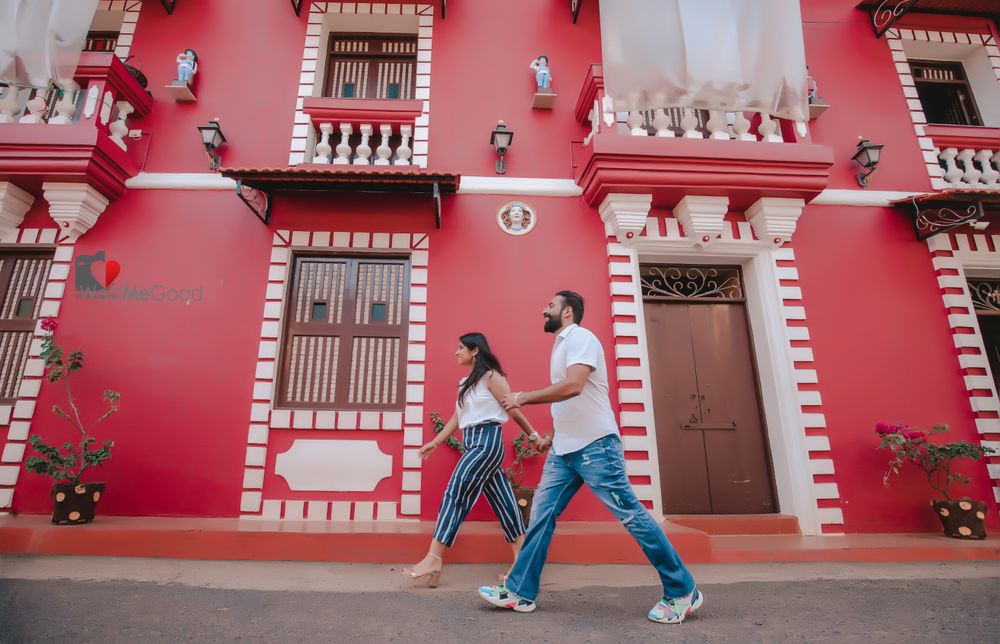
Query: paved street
x=120 y=600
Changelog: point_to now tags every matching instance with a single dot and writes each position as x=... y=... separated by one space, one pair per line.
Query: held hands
x=427 y=450
x=540 y=443
x=510 y=401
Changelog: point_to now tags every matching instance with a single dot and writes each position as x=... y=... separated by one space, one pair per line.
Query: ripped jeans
x=601 y=465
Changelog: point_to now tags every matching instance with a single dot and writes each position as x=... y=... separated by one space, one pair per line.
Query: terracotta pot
x=524 y=495
x=75 y=503
x=964 y=519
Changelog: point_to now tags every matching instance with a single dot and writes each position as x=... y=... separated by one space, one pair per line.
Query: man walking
x=586 y=449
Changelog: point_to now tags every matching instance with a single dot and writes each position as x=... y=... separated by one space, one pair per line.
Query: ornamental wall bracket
x=256 y=199
x=886 y=13
x=940 y=212
x=625 y=214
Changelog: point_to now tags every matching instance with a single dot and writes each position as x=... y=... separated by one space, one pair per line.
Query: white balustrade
x=66 y=107
x=118 y=128
x=971 y=168
x=687 y=123
x=37 y=107
x=9 y=106
x=361 y=153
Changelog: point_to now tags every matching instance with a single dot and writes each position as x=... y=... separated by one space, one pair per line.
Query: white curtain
x=41 y=40
x=706 y=54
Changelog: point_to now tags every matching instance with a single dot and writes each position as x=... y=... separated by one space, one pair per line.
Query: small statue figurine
x=543 y=77
x=187 y=65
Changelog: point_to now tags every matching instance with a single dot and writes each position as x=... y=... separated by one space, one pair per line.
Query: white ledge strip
x=181 y=181
x=833 y=197
x=519 y=186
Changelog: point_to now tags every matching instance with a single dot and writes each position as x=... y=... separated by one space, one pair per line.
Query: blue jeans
x=601 y=465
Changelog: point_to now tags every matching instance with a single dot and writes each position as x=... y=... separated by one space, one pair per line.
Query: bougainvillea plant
x=911 y=445
x=69 y=462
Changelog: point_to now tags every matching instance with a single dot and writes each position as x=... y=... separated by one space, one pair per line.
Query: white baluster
x=403 y=152
x=383 y=150
x=36 y=110
x=952 y=173
x=634 y=122
x=971 y=174
x=118 y=127
x=609 y=110
x=689 y=123
x=662 y=124
x=741 y=128
x=344 y=147
x=66 y=107
x=990 y=174
x=8 y=105
x=595 y=121
x=717 y=125
x=363 y=151
x=768 y=129
x=323 y=148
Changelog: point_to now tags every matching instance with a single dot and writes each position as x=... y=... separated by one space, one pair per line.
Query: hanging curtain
x=706 y=54
x=41 y=40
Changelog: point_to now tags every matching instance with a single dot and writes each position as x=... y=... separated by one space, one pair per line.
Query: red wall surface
x=881 y=340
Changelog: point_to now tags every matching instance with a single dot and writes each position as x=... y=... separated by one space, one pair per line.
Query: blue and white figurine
x=543 y=77
x=187 y=65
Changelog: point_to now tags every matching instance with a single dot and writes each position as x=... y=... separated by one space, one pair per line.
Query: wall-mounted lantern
x=867 y=156
x=212 y=138
x=501 y=139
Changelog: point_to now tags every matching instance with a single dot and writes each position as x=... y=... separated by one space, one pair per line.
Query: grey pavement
x=155 y=600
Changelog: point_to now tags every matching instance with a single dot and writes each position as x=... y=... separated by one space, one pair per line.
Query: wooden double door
x=710 y=433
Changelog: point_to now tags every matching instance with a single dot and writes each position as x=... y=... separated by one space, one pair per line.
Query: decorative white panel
x=329 y=465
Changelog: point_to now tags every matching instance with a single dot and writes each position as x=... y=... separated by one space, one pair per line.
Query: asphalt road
x=818 y=610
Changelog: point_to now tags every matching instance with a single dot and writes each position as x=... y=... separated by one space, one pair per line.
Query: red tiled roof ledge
x=308 y=176
x=357 y=111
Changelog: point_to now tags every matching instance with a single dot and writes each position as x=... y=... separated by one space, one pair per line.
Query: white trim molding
x=180 y=181
x=336 y=425
x=796 y=427
x=953 y=255
x=15 y=420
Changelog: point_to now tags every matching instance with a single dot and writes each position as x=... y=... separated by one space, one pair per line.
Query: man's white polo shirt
x=582 y=419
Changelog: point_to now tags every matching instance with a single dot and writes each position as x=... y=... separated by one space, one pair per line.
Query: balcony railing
x=362 y=131
x=594 y=108
x=102 y=94
x=969 y=156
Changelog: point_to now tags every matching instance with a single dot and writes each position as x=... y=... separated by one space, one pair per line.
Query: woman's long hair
x=483 y=363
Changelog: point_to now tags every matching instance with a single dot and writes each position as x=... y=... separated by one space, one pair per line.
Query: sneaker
x=673 y=610
x=503 y=598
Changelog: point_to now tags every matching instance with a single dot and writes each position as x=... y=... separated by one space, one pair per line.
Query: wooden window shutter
x=374 y=66
x=23 y=276
x=345 y=338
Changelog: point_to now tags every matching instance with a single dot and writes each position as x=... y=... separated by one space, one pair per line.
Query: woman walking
x=479 y=413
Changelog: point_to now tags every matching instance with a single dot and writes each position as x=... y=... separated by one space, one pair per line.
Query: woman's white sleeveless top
x=479 y=406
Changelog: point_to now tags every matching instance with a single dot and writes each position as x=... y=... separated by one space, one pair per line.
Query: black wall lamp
x=867 y=156
x=500 y=139
x=213 y=139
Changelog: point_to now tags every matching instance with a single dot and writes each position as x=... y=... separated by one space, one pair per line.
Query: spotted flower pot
x=75 y=502
x=524 y=495
x=964 y=519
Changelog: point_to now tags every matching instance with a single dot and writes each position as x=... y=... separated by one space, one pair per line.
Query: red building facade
x=281 y=330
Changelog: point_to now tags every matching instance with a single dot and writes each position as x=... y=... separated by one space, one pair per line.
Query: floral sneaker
x=673 y=610
x=503 y=598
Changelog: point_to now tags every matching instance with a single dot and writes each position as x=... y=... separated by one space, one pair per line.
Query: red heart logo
x=105 y=272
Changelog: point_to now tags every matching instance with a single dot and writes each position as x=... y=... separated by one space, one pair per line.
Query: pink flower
x=914 y=435
x=49 y=324
x=883 y=429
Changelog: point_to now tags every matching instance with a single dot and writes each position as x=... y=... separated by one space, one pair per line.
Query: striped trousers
x=479 y=471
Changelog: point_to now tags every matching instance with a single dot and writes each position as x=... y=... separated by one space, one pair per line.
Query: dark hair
x=484 y=362
x=545 y=57
x=575 y=302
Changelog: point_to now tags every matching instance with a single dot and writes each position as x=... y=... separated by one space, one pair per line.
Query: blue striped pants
x=479 y=471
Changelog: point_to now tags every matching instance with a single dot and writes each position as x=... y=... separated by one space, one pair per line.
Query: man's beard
x=551 y=324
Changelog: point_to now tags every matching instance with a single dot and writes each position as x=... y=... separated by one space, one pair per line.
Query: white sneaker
x=673 y=610
x=501 y=597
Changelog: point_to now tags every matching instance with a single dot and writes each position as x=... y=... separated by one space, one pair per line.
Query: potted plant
x=73 y=501
x=963 y=518
x=452 y=442
x=515 y=473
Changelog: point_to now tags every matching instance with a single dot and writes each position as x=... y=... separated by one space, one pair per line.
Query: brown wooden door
x=710 y=436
